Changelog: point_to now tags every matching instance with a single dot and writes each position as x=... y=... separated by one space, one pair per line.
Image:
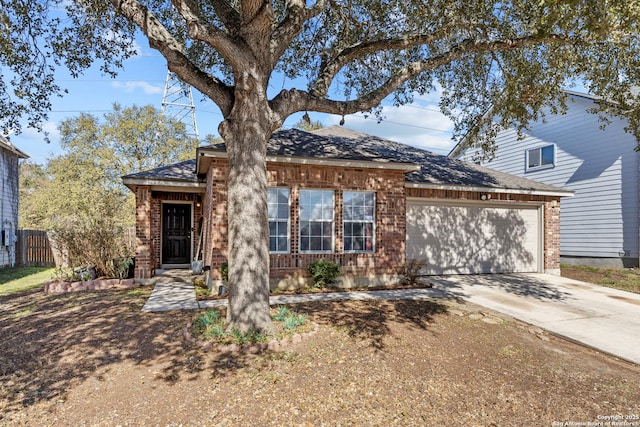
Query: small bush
x=411 y=270
x=64 y=274
x=323 y=272
x=224 y=271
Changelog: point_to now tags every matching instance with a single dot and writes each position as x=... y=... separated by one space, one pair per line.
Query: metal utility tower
x=177 y=103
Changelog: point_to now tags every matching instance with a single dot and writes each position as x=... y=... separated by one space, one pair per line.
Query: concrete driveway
x=602 y=318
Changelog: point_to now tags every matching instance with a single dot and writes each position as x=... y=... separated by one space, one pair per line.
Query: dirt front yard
x=95 y=359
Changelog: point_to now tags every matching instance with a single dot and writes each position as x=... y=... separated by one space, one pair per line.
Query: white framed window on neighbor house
x=541 y=157
x=278 y=214
x=316 y=220
x=358 y=221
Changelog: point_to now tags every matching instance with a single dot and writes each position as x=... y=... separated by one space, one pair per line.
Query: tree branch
x=161 y=40
x=331 y=67
x=289 y=102
x=200 y=29
x=297 y=14
x=256 y=16
x=228 y=15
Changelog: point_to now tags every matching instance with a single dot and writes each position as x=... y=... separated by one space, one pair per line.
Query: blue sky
x=142 y=81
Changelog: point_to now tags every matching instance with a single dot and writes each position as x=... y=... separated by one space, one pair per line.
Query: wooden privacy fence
x=34 y=249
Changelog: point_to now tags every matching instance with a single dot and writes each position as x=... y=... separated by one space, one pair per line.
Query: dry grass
x=626 y=279
x=95 y=359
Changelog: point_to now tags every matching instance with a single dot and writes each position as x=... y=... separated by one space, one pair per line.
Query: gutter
x=368 y=164
x=472 y=188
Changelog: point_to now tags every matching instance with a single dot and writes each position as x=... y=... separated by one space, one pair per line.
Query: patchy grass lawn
x=626 y=279
x=95 y=359
x=18 y=279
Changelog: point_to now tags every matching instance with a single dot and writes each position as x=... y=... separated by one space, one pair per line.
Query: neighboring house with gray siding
x=599 y=224
x=9 y=158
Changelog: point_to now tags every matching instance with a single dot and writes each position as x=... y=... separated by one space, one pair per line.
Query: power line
x=409 y=125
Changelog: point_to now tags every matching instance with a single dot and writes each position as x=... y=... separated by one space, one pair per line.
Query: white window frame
x=322 y=221
x=539 y=150
x=276 y=219
x=363 y=221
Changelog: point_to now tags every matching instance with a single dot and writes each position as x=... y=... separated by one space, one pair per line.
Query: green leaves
x=489 y=57
x=37 y=36
x=84 y=184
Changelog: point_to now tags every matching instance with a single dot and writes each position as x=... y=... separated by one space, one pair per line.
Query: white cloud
x=417 y=125
x=50 y=127
x=131 y=86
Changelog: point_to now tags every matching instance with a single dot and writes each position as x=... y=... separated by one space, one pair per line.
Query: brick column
x=143 y=233
x=552 y=237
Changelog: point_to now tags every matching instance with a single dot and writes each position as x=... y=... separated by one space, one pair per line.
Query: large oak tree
x=498 y=63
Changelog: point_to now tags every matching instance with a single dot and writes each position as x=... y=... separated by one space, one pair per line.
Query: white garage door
x=473 y=238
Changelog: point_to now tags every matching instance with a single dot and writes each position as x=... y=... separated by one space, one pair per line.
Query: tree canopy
x=511 y=56
x=502 y=60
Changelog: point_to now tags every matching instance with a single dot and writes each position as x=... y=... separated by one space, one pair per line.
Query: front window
x=316 y=221
x=541 y=157
x=278 y=204
x=358 y=223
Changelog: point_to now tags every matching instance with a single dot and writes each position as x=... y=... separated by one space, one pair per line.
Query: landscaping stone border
x=273 y=345
x=89 y=285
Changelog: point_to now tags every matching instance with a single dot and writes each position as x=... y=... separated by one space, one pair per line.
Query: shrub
x=224 y=271
x=208 y=318
x=411 y=270
x=97 y=244
x=323 y=272
x=211 y=325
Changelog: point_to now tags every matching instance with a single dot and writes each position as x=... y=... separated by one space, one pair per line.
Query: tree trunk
x=246 y=132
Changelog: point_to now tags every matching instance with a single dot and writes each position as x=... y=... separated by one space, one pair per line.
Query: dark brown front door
x=176 y=234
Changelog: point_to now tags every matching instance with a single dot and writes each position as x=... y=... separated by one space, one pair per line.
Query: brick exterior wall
x=388 y=186
x=149 y=226
x=143 y=269
x=552 y=236
x=390 y=216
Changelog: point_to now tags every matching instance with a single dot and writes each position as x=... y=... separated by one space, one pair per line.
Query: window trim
x=321 y=221
x=288 y=251
x=541 y=166
x=373 y=222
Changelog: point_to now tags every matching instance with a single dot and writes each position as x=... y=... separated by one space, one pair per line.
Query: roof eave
x=406 y=167
x=165 y=184
x=476 y=188
x=15 y=150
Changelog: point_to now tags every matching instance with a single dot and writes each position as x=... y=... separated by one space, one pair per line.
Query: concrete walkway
x=172 y=296
x=602 y=318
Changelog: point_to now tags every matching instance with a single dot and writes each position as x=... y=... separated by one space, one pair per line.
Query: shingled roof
x=339 y=145
x=183 y=171
x=434 y=168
